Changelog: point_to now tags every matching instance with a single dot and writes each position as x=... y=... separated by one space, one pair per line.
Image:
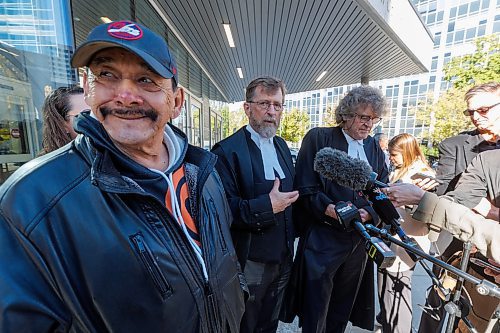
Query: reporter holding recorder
x=462 y=222
x=455 y=153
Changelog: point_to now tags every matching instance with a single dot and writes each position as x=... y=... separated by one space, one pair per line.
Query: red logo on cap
x=125 y=30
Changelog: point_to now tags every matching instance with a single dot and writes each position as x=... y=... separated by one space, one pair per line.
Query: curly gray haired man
x=333 y=259
x=361 y=97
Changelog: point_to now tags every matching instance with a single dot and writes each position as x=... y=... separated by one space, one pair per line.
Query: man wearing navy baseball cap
x=126 y=229
x=133 y=37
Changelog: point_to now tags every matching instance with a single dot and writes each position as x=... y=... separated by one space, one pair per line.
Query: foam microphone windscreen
x=336 y=165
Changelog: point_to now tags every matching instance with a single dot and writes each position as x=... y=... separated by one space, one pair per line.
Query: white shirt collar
x=355 y=148
x=257 y=138
x=350 y=139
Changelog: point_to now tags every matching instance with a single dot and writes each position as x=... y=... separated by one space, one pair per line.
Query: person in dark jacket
x=332 y=260
x=455 y=154
x=257 y=172
x=127 y=228
x=383 y=141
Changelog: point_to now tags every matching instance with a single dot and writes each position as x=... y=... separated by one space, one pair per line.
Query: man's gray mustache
x=149 y=113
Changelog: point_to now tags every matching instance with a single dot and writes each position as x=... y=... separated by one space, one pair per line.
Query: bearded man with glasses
x=256 y=169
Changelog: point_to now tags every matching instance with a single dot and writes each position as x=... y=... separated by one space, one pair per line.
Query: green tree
x=479 y=67
x=232 y=120
x=329 y=117
x=444 y=117
x=294 y=125
x=225 y=120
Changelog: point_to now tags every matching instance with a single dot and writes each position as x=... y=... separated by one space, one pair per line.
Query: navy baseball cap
x=133 y=37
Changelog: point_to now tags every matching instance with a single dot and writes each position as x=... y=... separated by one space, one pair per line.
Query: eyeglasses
x=366 y=119
x=266 y=105
x=482 y=110
x=112 y=80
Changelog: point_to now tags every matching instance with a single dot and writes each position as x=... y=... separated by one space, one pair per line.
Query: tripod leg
x=452 y=307
x=469 y=325
x=494 y=324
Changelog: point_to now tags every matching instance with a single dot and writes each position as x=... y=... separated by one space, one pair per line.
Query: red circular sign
x=125 y=30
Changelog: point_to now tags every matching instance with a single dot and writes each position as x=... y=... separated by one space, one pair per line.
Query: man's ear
x=86 y=95
x=178 y=102
x=85 y=85
x=246 y=107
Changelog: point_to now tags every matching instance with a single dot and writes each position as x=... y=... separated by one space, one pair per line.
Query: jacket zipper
x=178 y=236
x=214 y=320
x=152 y=266
x=210 y=303
x=212 y=310
x=219 y=228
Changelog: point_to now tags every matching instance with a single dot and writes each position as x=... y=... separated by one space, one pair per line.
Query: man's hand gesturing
x=281 y=200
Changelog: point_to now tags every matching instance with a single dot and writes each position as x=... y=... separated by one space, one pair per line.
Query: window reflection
x=196 y=118
x=36 y=41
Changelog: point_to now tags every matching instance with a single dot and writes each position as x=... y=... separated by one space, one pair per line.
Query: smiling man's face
x=132 y=102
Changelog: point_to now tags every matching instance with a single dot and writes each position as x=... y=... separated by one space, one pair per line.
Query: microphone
x=387 y=212
x=336 y=165
x=353 y=173
x=376 y=249
x=356 y=174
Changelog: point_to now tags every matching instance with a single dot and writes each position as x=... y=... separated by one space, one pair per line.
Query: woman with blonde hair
x=394 y=282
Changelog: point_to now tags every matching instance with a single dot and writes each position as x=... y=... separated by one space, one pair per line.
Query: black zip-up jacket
x=85 y=249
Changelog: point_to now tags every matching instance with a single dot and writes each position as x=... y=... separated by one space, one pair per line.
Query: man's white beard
x=267 y=131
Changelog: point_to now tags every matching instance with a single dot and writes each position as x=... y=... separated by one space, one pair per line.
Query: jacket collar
x=97 y=148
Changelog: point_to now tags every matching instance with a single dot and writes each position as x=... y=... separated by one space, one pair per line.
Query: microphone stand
x=396 y=227
x=453 y=308
x=457 y=306
x=483 y=287
x=374 y=195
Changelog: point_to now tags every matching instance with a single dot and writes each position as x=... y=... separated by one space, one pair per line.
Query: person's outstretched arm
x=462 y=222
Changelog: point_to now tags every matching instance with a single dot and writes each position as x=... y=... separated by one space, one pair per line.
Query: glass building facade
x=454 y=25
x=37 y=39
x=36 y=42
